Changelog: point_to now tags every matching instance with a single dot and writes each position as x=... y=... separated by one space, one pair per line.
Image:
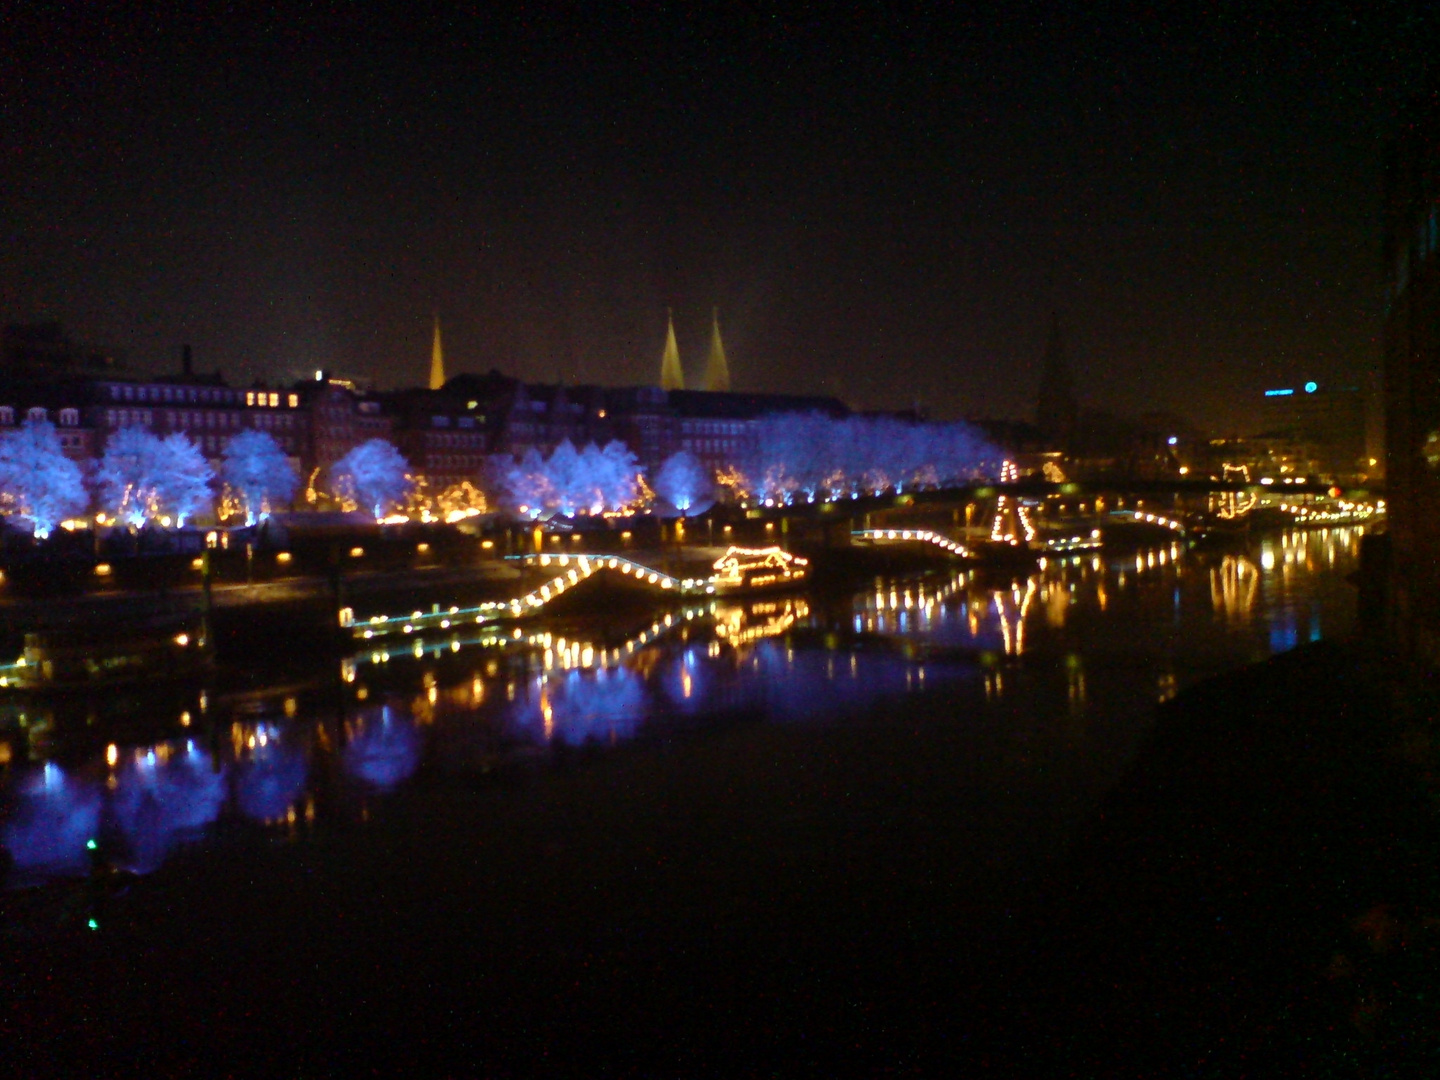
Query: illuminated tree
x=460 y=501
x=621 y=475
x=259 y=473
x=807 y=456
x=524 y=484
x=128 y=475
x=567 y=478
x=143 y=477
x=372 y=475
x=603 y=479
x=38 y=483
x=592 y=480
x=183 y=478
x=682 y=480
x=570 y=481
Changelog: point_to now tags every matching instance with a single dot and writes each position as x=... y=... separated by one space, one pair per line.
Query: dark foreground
x=1259 y=896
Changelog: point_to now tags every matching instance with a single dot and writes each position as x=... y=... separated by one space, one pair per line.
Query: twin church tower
x=672 y=375
x=717 y=371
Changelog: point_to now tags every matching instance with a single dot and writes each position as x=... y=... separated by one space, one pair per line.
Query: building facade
x=1326 y=425
x=1412 y=377
x=448 y=435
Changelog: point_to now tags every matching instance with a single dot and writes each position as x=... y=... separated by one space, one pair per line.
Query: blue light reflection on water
x=162 y=799
x=271 y=779
x=779 y=660
x=54 y=815
x=770 y=678
x=383 y=748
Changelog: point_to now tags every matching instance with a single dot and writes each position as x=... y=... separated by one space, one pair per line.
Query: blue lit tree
x=567 y=477
x=127 y=477
x=523 y=484
x=621 y=472
x=184 y=478
x=592 y=480
x=38 y=483
x=258 y=473
x=372 y=475
x=807 y=456
x=682 y=481
x=570 y=481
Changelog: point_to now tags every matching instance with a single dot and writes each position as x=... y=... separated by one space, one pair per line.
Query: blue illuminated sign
x=1278 y=393
x=1311 y=387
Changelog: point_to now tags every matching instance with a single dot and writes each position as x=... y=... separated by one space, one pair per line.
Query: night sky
x=884 y=204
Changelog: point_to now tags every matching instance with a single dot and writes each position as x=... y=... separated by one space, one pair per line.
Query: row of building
x=446 y=431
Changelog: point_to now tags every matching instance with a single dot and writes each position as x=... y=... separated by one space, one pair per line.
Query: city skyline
x=886 y=206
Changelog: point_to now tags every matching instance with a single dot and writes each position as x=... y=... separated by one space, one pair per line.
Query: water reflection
x=163 y=796
x=382 y=747
x=270 y=777
x=1085 y=637
x=577 y=707
x=1234 y=584
x=53 y=818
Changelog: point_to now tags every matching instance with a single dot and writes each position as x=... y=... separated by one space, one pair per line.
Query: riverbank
x=1256 y=896
x=1261 y=894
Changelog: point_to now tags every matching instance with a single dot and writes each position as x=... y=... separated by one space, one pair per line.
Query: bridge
x=739 y=569
x=1033 y=488
x=559 y=652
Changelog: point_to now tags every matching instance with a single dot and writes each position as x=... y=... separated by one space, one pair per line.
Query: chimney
x=186 y=365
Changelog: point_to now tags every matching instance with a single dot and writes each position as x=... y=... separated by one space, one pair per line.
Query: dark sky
x=885 y=203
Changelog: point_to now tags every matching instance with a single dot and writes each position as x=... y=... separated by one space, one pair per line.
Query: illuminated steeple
x=437 y=360
x=717 y=371
x=672 y=376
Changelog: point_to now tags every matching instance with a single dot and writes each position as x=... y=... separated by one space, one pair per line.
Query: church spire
x=672 y=376
x=717 y=371
x=437 y=360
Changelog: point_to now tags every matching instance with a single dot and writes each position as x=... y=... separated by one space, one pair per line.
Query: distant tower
x=1056 y=412
x=717 y=372
x=672 y=376
x=437 y=359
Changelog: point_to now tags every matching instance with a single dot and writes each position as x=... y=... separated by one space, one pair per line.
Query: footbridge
x=738 y=569
x=1036 y=488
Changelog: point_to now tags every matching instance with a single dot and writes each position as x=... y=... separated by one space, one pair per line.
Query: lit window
x=294 y=401
x=250 y=397
x=274 y=401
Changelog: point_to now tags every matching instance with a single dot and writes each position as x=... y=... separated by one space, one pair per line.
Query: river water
x=1075 y=656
